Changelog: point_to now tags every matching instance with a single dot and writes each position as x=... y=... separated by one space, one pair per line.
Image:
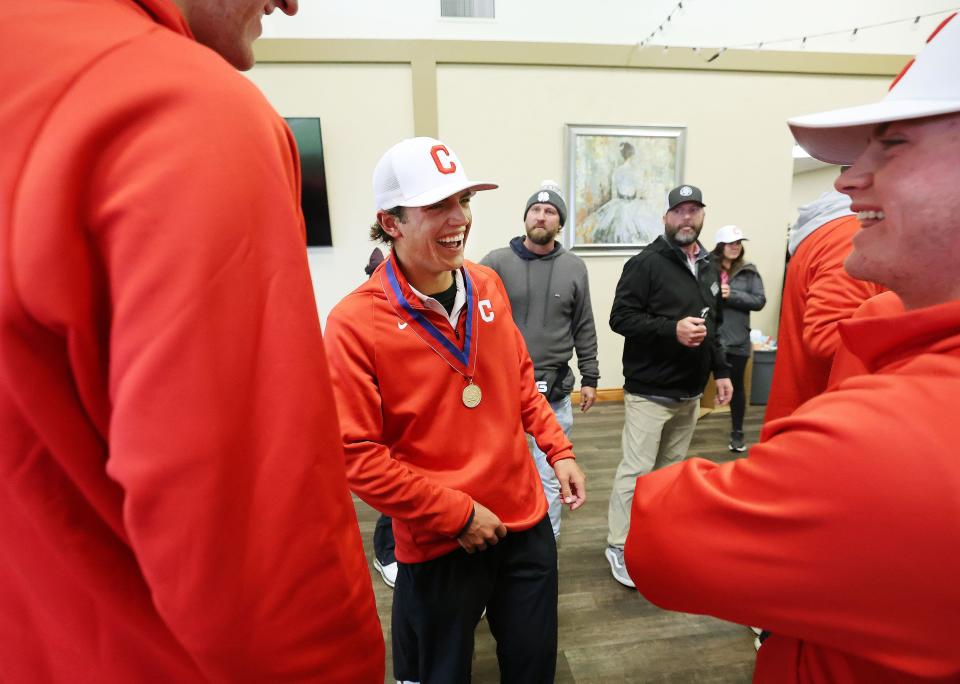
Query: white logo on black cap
x=686 y=191
x=543 y=197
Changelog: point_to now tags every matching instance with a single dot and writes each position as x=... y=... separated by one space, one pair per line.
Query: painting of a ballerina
x=619 y=179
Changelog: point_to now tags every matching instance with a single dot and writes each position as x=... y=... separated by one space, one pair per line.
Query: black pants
x=437 y=605
x=738 y=404
x=383 y=540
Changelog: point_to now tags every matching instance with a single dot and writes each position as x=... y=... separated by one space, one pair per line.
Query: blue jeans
x=563 y=409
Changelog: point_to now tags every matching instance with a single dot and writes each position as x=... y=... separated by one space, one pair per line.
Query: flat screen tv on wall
x=316 y=210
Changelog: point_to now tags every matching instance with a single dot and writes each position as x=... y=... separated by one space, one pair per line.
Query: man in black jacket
x=667 y=306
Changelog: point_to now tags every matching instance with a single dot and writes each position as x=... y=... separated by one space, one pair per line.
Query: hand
x=724 y=290
x=588 y=397
x=691 y=331
x=485 y=530
x=724 y=391
x=573 y=483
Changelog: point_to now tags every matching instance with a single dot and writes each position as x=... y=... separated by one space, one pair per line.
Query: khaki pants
x=653 y=436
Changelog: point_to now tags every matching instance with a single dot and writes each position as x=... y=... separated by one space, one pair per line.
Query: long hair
x=735 y=264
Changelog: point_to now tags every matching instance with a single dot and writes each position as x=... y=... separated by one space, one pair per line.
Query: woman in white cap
x=742 y=290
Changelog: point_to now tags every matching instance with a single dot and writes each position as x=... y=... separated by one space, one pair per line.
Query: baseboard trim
x=603 y=394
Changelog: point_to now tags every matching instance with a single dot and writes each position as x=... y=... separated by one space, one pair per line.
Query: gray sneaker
x=618 y=569
x=737 y=444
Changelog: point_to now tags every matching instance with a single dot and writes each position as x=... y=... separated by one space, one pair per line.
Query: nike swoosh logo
x=402 y=325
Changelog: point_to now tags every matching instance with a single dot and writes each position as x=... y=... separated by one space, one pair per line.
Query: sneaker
x=736 y=442
x=387 y=571
x=614 y=555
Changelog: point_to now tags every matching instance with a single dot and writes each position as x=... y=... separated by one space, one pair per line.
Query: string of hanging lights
x=854 y=32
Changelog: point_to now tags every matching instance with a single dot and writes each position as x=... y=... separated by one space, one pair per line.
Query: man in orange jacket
x=838 y=534
x=437 y=393
x=817 y=295
x=166 y=423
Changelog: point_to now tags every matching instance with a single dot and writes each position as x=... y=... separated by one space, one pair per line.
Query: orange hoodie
x=173 y=500
x=414 y=451
x=839 y=532
x=818 y=294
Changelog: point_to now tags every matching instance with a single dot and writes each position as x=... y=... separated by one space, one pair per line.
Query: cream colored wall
x=808 y=186
x=507 y=123
x=363 y=110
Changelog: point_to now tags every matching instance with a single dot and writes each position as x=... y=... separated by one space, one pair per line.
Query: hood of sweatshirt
x=516 y=244
x=827 y=207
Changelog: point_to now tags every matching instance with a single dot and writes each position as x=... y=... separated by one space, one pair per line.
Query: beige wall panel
x=810 y=185
x=507 y=124
x=363 y=110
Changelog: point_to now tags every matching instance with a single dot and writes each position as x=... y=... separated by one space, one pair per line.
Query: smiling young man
x=167 y=420
x=550 y=297
x=667 y=306
x=839 y=533
x=437 y=393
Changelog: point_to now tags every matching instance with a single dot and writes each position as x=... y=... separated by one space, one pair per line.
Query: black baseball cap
x=684 y=193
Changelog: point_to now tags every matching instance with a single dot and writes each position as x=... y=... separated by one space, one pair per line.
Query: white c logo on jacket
x=486 y=310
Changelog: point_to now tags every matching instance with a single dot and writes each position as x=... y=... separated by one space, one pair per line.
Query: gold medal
x=471 y=395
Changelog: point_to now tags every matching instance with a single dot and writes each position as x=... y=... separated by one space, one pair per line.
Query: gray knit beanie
x=549 y=193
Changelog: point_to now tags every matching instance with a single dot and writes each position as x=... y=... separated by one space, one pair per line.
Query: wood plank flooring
x=609 y=633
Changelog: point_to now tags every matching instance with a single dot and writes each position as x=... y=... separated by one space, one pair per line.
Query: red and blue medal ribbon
x=462 y=360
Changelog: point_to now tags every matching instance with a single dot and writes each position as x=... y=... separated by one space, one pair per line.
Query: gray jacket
x=550 y=297
x=746 y=295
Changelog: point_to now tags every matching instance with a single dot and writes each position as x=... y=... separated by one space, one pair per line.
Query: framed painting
x=617 y=185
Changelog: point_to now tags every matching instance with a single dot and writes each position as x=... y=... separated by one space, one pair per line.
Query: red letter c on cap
x=450 y=166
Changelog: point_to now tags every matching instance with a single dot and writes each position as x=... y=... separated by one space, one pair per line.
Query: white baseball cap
x=929 y=85
x=420 y=171
x=729 y=234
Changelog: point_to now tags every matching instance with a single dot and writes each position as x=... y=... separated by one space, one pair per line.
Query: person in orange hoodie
x=173 y=497
x=838 y=533
x=438 y=394
x=817 y=294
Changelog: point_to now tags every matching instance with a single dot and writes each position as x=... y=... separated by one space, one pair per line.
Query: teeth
x=450 y=239
x=871 y=215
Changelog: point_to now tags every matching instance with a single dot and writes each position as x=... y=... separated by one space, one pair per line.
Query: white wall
x=363 y=110
x=738 y=151
x=507 y=124
x=810 y=185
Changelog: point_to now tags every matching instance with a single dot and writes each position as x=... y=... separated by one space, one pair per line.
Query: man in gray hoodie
x=550 y=297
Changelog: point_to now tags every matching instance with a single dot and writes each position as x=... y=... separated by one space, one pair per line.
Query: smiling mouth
x=870 y=217
x=452 y=242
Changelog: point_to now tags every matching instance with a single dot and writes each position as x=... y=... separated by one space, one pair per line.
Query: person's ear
x=390 y=224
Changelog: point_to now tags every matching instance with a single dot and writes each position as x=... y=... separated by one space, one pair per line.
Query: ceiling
x=747 y=24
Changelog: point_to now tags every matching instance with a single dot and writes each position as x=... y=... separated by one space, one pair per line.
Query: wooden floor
x=609 y=633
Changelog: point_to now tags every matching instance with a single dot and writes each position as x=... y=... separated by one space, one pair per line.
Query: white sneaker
x=618 y=569
x=388 y=572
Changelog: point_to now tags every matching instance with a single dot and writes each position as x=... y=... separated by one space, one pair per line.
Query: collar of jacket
x=165 y=13
x=881 y=341
x=667 y=247
x=516 y=244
